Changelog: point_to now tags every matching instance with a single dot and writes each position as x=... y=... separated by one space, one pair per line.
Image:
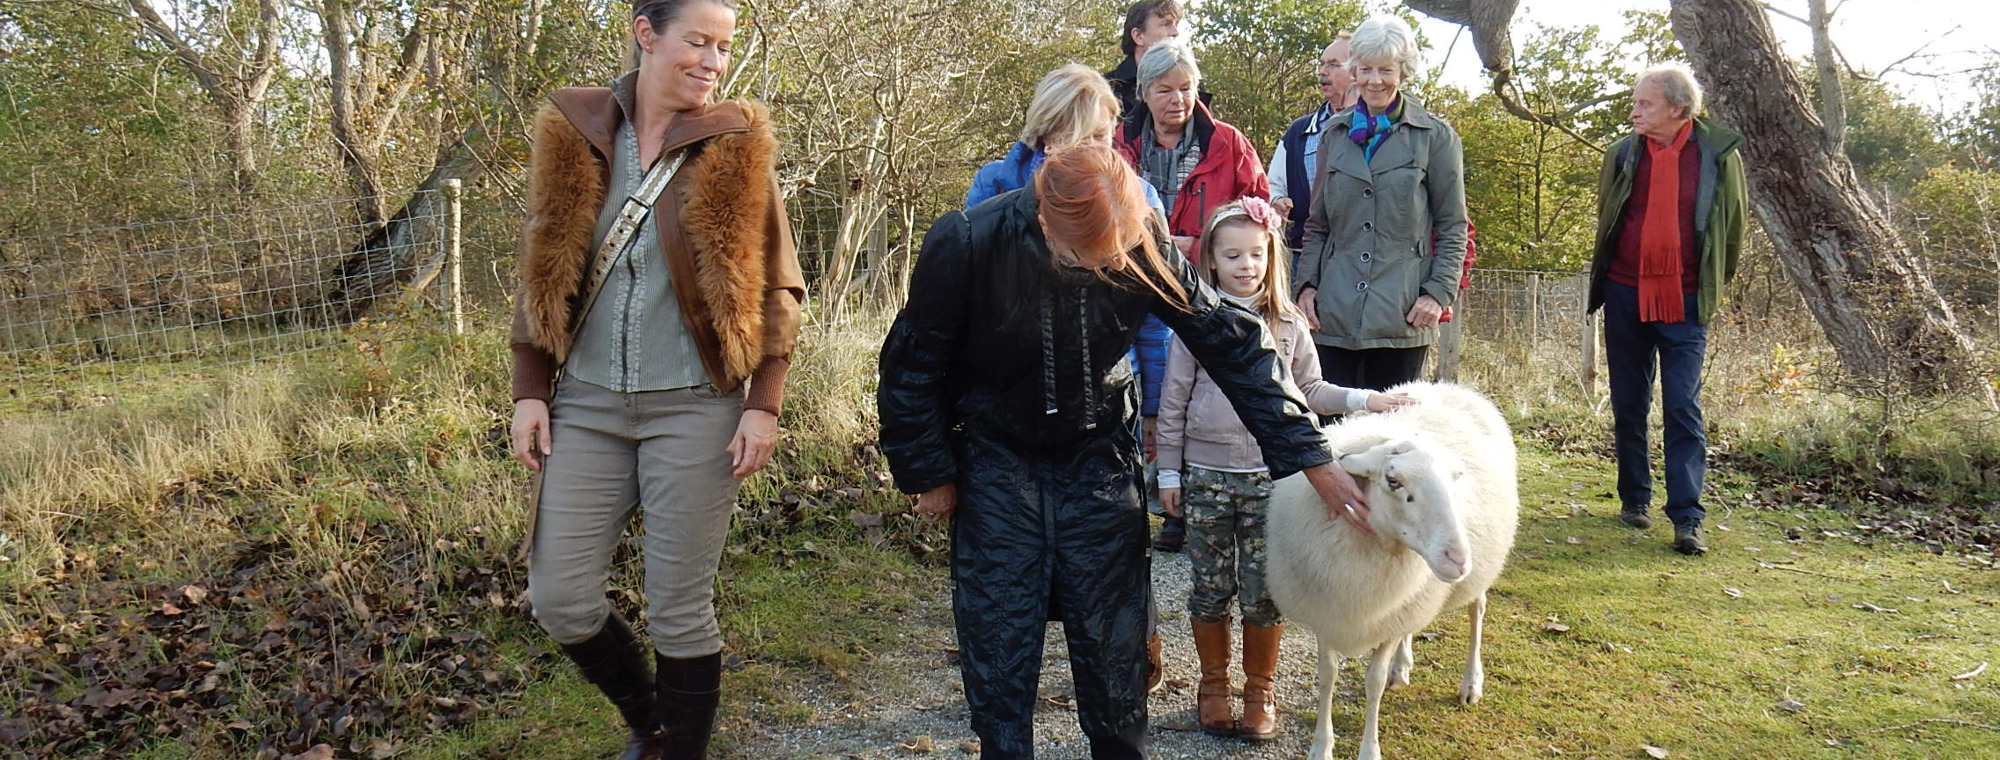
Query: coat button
x=1366 y=226
x=1361 y=286
x=1367 y=193
x=1367 y=257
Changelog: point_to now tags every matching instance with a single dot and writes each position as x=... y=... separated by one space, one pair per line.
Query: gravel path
x=917 y=698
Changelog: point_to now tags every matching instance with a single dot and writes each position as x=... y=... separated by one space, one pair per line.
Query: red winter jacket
x=1229 y=169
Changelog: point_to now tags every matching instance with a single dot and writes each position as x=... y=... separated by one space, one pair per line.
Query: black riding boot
x=614 y=662
x=690 y=691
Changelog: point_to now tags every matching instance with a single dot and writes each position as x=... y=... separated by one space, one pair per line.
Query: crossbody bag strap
x=637 y=209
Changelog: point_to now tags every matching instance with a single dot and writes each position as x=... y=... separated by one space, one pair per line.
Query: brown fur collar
x=727 y=202
x=726 y=195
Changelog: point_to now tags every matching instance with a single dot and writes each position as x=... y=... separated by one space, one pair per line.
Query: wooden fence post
x=454 y=282
x=1589 y=341
x=1534 y=311
x=1451 y=343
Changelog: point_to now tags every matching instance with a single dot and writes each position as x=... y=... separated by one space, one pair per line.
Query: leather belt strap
x=634 y=213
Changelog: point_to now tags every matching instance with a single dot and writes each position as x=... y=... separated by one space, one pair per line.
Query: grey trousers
x=665 y=451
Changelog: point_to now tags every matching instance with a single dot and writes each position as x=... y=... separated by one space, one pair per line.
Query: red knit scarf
x=1660 y=298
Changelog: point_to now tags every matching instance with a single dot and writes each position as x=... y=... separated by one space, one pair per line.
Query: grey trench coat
x=1383 y=232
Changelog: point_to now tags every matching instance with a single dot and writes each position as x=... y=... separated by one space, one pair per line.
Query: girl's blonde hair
x=1071 y=105
x=1274 y=302
x=1093 y=209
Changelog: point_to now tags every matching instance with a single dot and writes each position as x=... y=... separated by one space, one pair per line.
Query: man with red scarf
x=1671 y=211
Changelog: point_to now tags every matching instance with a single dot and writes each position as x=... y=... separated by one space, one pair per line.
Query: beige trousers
x=663 y=451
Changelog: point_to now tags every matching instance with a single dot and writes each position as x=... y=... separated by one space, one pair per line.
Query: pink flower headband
x=1257 y=209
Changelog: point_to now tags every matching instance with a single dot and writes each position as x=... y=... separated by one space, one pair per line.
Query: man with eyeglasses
x=1292 y=163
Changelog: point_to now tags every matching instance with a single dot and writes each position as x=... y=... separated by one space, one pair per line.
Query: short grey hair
x=1162 y=58
x=1386 y=38
x=1677 y=85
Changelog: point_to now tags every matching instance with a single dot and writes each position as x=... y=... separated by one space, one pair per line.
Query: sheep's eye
x=1394 y=483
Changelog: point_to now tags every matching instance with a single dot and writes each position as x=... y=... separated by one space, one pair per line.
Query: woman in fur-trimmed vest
x=650 y=375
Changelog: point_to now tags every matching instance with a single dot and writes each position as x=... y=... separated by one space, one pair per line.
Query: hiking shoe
x=1635 y=516
x=1689 y=540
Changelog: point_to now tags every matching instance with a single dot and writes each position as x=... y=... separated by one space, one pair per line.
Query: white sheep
x=1440 y=477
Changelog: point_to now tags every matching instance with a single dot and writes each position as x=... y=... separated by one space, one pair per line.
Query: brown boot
x=1156 y=671
x=1211 y=644
x=1260 y=663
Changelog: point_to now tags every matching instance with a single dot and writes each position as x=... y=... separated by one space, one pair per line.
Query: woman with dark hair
x=657 y=314
x=1006 y=407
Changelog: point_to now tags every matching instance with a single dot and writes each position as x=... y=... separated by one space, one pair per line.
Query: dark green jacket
x=1722 y=210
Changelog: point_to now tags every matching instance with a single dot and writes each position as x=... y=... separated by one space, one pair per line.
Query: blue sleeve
x=982 y=187
x=1152 y=350
x=1153 y=338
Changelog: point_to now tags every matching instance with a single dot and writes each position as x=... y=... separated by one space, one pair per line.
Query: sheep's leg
x=1473 y=686
x=1378 y=680
x=1399 y=671
x=1329 y=677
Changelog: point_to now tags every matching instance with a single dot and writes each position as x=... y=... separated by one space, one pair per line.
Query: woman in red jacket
x=1196 y=162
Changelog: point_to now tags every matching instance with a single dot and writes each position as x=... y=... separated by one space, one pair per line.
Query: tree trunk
x=403 y=251
x=240 y=132
x=355 y=151
x=1888 y=325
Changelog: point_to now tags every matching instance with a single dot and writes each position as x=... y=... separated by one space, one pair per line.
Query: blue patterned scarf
x=1369 y=132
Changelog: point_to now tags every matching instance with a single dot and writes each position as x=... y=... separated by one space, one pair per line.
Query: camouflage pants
x=1226 y=513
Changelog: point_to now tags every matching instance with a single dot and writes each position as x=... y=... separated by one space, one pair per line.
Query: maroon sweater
x=1624 y=266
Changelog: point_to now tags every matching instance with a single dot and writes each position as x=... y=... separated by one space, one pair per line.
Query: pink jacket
x=1197 y=424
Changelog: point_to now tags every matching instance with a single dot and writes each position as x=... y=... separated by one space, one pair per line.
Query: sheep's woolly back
x=1357 y=591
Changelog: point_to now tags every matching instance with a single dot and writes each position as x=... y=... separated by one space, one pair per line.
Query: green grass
x=1658 y=651
x=376 y=471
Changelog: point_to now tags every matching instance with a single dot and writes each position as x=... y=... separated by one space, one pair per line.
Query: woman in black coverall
x=1005 y=406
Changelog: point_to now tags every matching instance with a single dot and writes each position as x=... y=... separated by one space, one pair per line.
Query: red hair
x=1093 y=209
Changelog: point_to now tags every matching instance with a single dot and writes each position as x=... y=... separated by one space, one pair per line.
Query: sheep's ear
x=1365 y=464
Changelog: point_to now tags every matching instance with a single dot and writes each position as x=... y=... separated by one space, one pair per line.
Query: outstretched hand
x=1343 y=497
x=1382 y=402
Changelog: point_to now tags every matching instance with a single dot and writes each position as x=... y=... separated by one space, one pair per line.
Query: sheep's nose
x=1457 y=565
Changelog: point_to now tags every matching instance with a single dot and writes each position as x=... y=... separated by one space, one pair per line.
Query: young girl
x=1204 y=448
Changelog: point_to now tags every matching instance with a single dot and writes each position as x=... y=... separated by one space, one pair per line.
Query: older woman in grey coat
x=1386 y=235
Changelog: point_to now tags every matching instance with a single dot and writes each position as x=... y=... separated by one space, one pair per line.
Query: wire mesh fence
x=87 y=308
x=83 y=309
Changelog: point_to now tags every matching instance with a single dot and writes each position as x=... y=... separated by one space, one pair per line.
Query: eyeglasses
x=1326 y=65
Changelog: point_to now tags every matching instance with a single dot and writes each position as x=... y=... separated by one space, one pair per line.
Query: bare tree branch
x=1918 y=53
x=196 y=63
x=1787 y=14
